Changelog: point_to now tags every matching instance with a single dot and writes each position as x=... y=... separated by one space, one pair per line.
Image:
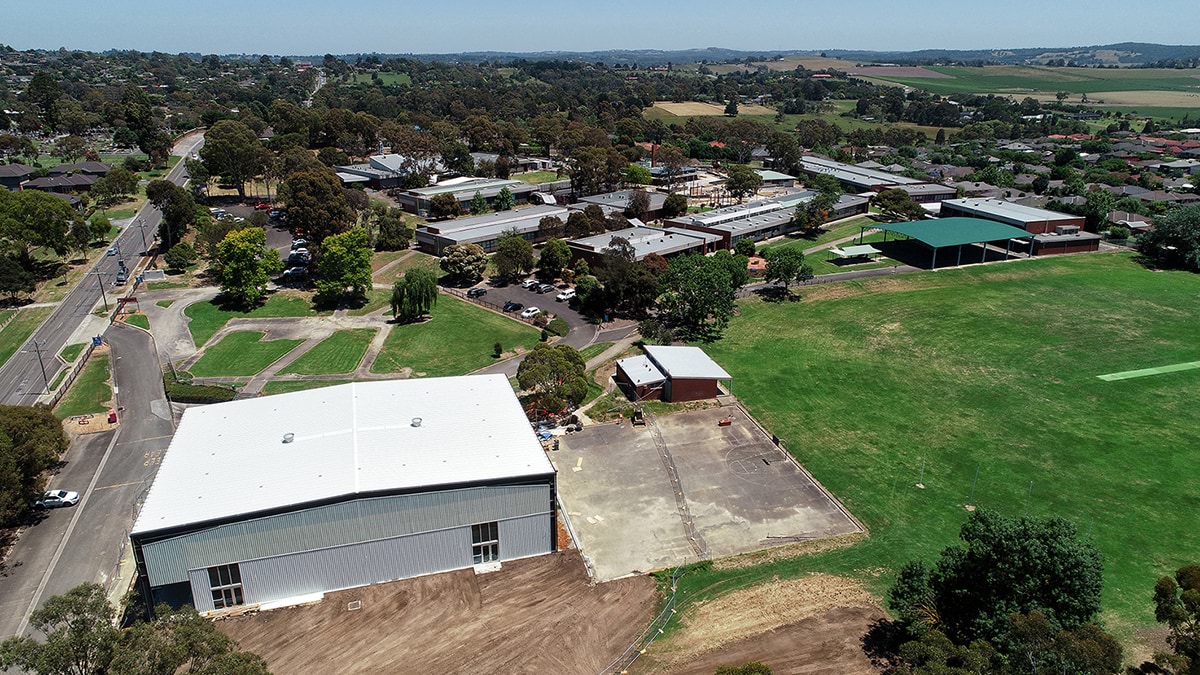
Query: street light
x=141 y=224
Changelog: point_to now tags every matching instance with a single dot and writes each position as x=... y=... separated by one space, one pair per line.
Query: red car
x=262 y=206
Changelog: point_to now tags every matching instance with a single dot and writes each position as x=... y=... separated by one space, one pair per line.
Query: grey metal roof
x=1004 y=210
x=621 y=198
x=646 y=240
x=855 y=175
x=489 y=226
x=641 y=371
x=230 y=459
x=471 y=186
x=686 y=362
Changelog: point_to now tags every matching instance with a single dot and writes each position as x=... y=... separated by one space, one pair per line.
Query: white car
x=530 y=313
x=56 y=498
x=565 y=295
x=529 y=283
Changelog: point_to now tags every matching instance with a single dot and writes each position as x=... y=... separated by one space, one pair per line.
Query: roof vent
x=416 y=421
x=288 y=438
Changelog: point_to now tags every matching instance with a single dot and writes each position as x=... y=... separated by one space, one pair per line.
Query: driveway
x=112 y=471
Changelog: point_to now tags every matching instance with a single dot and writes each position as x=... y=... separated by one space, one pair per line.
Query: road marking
x=1146 y=372
x=118 y=485
x=152 y=438
x=37 y=595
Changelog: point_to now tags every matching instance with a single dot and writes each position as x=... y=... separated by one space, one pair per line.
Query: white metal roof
x=640 y=371
x=229 y=459
x=686 y=362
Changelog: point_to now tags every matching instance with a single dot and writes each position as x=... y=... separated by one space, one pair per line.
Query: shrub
x=180 y=390
x=497 y=350
x=559 y=327
x=545 y=335
x=180 y=256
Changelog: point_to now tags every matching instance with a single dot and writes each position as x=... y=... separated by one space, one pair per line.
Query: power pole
x=37 y=347
x=100 y=279
x=141 y=224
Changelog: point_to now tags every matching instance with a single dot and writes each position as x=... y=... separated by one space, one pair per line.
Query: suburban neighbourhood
x=628 y=361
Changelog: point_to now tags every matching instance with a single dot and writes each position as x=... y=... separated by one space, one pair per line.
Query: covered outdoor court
x=968 y=240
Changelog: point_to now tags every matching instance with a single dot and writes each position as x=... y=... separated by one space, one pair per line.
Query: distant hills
x=1121 y=54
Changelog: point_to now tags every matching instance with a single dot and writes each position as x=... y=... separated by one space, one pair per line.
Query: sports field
x=982 y=384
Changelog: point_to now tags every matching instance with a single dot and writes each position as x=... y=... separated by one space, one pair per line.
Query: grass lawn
x=139 y=320
x=593 y=350
x=386 y=78
x=536 y=177
x=990 y=371
x=90 y=392
x=165 y=303
x=58 y=379
x=71 y=352
x=163 y=286
x=377 y=298
x=19 y=329
x=457 y=340
x=380 y=259
x=417 y=259
x=849 y=228
x=824 y=262
x=241 y=354
x=338 y=353
x=288 y=386
x=207 y=317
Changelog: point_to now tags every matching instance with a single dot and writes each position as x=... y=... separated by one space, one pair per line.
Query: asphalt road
x=581 y=332
x=21 y=377
x=112 y=472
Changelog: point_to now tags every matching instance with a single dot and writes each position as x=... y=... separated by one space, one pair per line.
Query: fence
x=656 y=628
x=77 y=366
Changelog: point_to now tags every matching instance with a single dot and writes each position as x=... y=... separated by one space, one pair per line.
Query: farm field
x=833 y=116
x=336 y=354
x=1125 y=88
x=455 y=341
x=698 y=109
x=981 y=383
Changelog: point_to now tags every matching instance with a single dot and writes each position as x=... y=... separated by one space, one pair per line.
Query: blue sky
x=398 y=26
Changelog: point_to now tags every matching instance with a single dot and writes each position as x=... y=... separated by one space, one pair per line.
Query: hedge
x=180 y=390
x=559 y=327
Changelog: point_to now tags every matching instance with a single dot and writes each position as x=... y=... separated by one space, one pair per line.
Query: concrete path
x=170 y=324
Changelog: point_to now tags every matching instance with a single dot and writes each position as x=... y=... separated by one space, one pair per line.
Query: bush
x=180 y=256
x=180 y=390
x=545 y=335
x=559 y=327
x=541 y=320
x=1118 y=232
x=497 y=350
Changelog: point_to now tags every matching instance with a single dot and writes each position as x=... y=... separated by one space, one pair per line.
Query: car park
x=530 y=313
x=512 y=306
x=56 y=498
x=529 y=283
x=476 y=292
x=566 y=295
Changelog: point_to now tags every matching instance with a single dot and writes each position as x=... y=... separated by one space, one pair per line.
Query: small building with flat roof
x=269 y=501
x=420 y=200
x=776 y=179
x=1029 y=218
x=670 y=373
x=617 y=202
x=664 y=241
x=485 y=230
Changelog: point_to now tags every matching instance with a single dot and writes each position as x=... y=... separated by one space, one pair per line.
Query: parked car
x=511 y=306
x=56 y=498
x=262 y=206
x=566 y=295
x=546 y=288
x=275 y=214
x=293 y=273
x=530 y=313
x=299 y=244
x=476 y=292
x=298 y=259
x=301 y=251
x=529 y=283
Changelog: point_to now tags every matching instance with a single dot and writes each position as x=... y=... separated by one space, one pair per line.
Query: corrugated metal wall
x=330 y=569
x=357 y=521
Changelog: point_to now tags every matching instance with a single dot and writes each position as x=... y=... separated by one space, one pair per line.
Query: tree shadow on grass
x=881 y=644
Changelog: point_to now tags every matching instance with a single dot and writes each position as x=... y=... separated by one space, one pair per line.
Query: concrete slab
x=619 y=501
x=744 y=494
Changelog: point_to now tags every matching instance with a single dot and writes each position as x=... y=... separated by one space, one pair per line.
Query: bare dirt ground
x=695 y=108
x=1162 y=99
x=538 y=615
x=809 y=625
x=898 y=71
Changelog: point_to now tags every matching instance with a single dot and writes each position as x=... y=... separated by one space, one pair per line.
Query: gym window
x=226 y=584
x=485 y=542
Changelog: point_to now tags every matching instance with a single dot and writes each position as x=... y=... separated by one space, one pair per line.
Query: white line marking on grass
x=1145 y=372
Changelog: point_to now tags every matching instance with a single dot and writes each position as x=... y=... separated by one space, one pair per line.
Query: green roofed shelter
x=946 y=232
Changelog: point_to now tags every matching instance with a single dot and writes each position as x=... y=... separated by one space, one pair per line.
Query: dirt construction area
x=538 y=615
x=736 y=492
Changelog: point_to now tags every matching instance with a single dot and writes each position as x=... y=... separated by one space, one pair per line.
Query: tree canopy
x=514 y=255
x=742 y=181
x=786 y=265
x=31 y=441
x=345 y=265
x=1175 y=240
x=555 y=377
x=245 y=265
x=232 y=151
x=414 y=294
x=464 y=262
x=316 y=205
x=698 y=293
x=896 y=203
